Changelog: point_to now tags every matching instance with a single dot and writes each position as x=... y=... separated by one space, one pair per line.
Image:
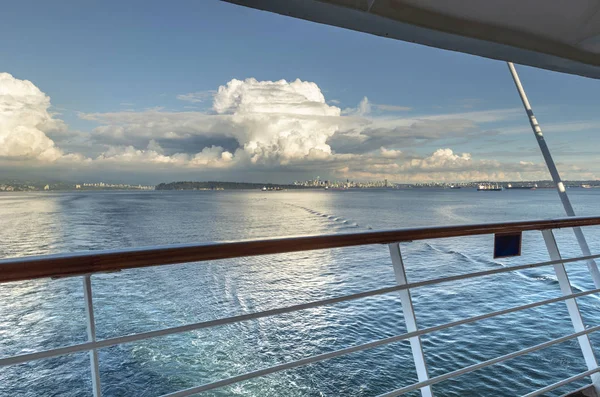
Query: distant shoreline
x=216 y=185
x=21 y=186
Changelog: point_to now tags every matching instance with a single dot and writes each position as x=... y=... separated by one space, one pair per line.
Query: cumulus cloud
x=363 y=108
x=441 y=159
x=24 y=121
x=213 y=157
x=290 y=126
x=370 y=134
x=270 y=122
x=390 y=153
x=278 y=121
x=257 y=126
x=443 y=164
x=283 y=124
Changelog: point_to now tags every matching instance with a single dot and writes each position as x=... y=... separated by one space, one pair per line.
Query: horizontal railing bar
x=211 y=323
x=359 y=295
x=64 y=265
x=498 y=271
x=505 y=311
x=487 y=363
x=59 y=351
x=321 y=357
x=19 y=359
x=303 y=306
x=370 y=345
x=563 y=382
x=115 y=341
x=285 y=366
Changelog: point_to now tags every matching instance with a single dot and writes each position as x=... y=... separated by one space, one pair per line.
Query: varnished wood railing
x=89 y=263
x=64 y=265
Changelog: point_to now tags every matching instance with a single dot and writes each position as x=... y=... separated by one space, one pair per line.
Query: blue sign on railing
x=507 y=244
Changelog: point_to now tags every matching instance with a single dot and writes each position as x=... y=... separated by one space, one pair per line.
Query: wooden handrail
x=65 y=265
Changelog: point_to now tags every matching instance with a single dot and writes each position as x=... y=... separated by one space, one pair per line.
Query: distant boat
x=455 y=187
x=527 y=187
x=489 y=187
x=586 y=186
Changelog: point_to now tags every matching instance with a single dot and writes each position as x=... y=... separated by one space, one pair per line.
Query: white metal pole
x=572 y=307
x=410 y=318
x=562 y=192
x=91 y=331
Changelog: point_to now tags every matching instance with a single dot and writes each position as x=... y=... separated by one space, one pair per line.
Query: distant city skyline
x=149 y=92
x=16 y=185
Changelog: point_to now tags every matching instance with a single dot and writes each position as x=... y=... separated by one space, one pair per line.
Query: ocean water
x=42 y=314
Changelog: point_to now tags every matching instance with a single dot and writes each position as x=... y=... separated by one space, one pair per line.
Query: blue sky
x=137 y=57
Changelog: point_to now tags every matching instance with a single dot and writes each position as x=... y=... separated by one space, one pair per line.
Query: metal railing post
x=572 y=307
x=91 y=333
x=560 y=187
x=410 y=319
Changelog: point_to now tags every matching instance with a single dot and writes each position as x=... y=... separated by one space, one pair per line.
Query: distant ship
x=455 y=187
x=489 y=187
x=586 y=186
x=528 y=187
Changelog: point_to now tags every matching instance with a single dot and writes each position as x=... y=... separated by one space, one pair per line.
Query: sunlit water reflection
x=43 y=314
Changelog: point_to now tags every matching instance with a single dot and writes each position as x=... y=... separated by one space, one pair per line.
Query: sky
x=153 y=91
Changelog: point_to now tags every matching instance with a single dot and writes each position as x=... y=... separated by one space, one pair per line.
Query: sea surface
x=44 y=314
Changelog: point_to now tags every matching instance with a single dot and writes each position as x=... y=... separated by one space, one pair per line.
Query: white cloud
x=272 y=97
x=441 y=165
x=197 y=97
x=129 y=154
x=441 y=159
x=280 y=123
x=257 y=125
x=214 y=157
x=24 y=121
x=363 y=109
x=155 y=146
x=392 y=108
x=390 y=153
x=482 y=116
x=272 y=122
x=290 y=125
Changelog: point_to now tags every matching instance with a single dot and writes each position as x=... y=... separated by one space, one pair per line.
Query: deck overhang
x=562 y=36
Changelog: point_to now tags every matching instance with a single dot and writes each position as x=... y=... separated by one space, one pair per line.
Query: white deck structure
x=560 y=35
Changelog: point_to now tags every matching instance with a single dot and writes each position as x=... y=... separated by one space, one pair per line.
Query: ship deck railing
x=87 y=264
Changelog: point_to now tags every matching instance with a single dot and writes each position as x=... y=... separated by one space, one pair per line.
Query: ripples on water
x=42 y=314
